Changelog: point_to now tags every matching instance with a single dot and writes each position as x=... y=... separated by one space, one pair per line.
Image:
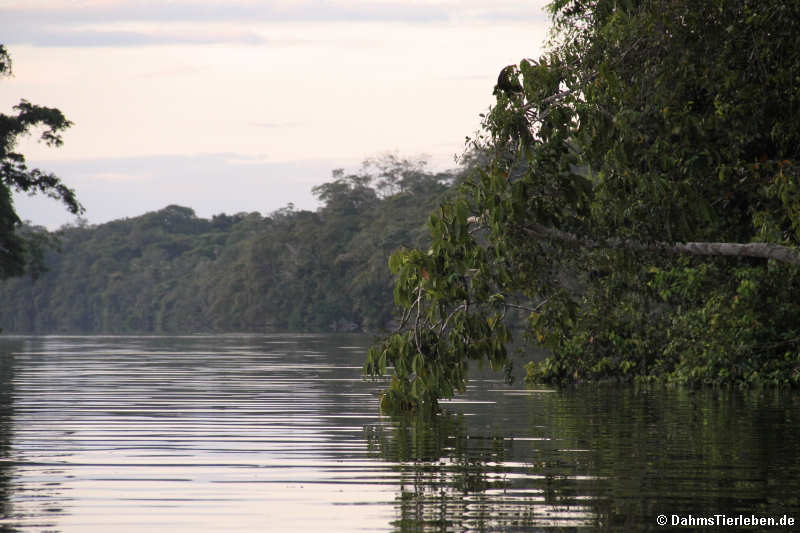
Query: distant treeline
x=169 y=271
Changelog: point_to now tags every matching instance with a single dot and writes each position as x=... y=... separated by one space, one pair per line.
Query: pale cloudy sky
x=244 y=105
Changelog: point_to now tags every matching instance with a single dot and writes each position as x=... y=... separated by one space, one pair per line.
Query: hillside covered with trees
x=170 y=271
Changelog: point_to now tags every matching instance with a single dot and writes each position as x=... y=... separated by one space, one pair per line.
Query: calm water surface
x=280 y=433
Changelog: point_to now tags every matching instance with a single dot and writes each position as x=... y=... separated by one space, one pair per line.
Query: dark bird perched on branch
x=507 y=82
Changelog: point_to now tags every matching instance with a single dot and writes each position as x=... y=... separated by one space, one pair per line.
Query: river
x=281 y=433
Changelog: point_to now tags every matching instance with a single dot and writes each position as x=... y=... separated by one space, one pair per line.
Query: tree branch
x=452 y=313
x=765 y=250
x=526 y=308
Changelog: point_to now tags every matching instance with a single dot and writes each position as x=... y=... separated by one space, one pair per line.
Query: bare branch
x=451 y=315
x=406 y=316
x=416 y=322
x=529 y=309
x=765 y=250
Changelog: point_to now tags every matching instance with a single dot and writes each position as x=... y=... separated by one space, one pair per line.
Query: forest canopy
x=639 y=205
x=170 y=271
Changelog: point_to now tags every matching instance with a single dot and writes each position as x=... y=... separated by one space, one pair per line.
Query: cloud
x=511 y=14
x=87 y=23
x=203 y=23
x=170 y=72
x=62 y=13
x=277 y=125
x=89 y=37
x=72 y=12
x=119 y=177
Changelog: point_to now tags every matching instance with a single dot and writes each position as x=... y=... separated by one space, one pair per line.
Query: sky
x=244 y=105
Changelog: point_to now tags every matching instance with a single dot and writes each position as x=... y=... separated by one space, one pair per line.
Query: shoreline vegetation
x=638 y=204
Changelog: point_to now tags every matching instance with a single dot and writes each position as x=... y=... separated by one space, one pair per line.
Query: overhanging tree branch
x=765 y=250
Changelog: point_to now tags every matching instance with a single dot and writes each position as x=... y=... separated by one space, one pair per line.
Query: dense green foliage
x=19 y=249
x=170 y=271
x=639 y=203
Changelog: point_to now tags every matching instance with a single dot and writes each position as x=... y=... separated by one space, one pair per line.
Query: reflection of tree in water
x=22 y=503
x=605 y=458
x=450 y=479
x=680 y=451
x=6 y=405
